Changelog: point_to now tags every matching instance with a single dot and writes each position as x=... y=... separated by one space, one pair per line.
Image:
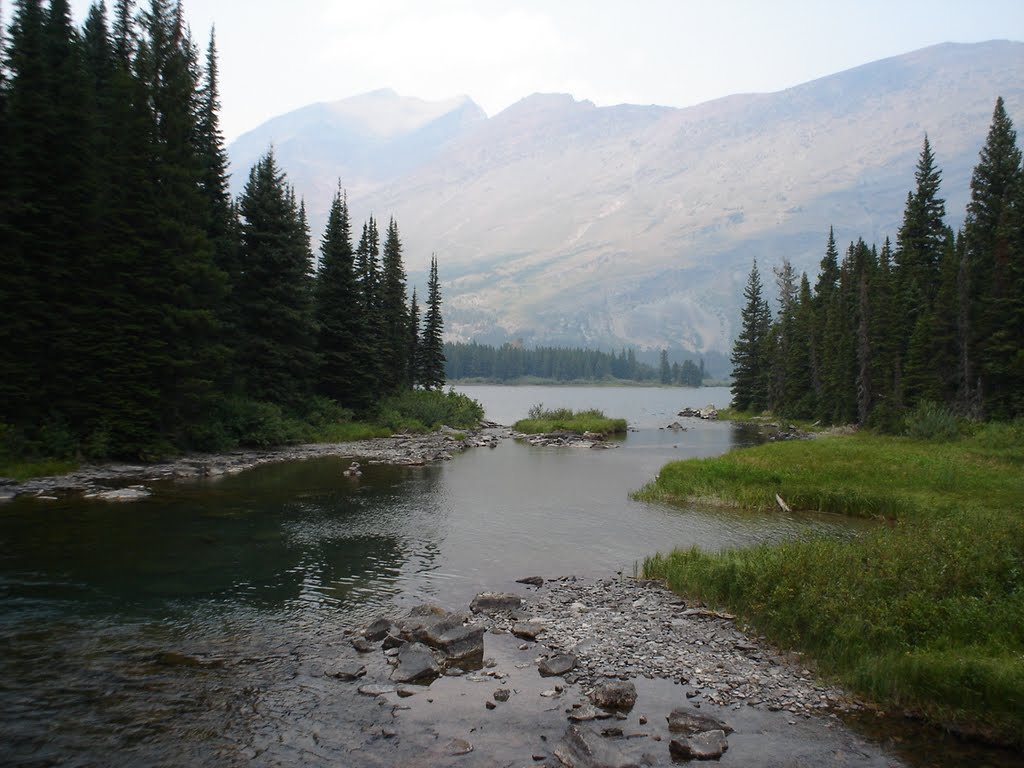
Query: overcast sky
x=277 y=56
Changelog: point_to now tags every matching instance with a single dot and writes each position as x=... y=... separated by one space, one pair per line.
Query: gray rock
x=709 y=745
x=583 y=748
x=378 y=630
x=614 y=694
x=527 y=630
x=533 y=581
x=361 y=644
x=415 y=662
x=502 y=694
x=490 y=602
x=556 y=665
x=375 y=689
x=457 y=643
x=457 y=747
x=347 y=671
x=132 y=493
x=691 y=722
x=587 y=712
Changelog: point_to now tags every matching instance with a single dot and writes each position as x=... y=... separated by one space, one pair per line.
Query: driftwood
x=782 y=504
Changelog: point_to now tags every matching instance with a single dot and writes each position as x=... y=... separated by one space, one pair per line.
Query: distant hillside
x=559 y=222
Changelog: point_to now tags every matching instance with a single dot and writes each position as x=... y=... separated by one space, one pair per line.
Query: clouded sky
x=277 y=56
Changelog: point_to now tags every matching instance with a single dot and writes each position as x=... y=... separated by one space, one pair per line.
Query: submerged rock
x=584 y=748
x=490 y=602
x=527 y=630
x=614 y=694
x=557 y=665
x=690 y=721
x=709 y=745
x=347 y=671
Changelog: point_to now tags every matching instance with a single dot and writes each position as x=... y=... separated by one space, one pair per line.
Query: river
x=191 y=628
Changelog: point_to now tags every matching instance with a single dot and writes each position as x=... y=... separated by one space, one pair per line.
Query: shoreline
x=125 y=481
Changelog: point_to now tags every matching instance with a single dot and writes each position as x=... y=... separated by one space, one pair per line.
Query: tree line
x=936 y=319
x=144 y=310
x=510 y=362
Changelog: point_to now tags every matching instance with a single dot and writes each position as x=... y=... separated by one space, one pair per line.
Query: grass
x=924 y=613
x=26 y=470
x=541 y=421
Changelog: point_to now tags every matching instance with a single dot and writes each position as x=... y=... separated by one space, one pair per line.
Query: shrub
x=422 y=410
x=930 y=421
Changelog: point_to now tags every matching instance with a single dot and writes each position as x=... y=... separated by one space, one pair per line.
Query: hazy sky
x=277 y=56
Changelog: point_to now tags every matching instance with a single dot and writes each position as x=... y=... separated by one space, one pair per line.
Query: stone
x=490 y=602
x=361 y=644
x=527 y=630
x=490 y=704
x=690 y=722
x=709 y=745
x=392 y=641
x=556 y=665
x=131 y=493
x=457 y=747
x=415 y=662
x=614 y=694
x=374 y=689
x=583 y=748
x=347 y=671
x=378 y=630
x=457 y=643
x=587 y=712
x=502 y=694
x=533 y=581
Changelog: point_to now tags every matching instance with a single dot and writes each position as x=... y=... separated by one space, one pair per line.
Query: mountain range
x=559 y=222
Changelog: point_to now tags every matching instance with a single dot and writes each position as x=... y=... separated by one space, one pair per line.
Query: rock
x=415 y=662
x=709 y=745
x=533 y=581
x=131 y=493
x=587 y=712
x=457 y=643
x=502 y=694
x=361 y=644
x=374 y=689
x=490 y=704
x=527 y=630
x=614 y=694
x=457 y=747
x=392 y=641
x=556 y=665
x=675 y=426
x=347 y=671
x=404 y=692
x=490 y=602
x=584 y=748
x=378 y=630
x=690 y=722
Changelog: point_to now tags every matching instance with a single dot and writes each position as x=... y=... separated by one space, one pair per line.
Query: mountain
x=560 y=222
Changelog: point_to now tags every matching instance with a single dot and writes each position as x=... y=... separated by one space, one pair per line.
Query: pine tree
x=394 y=338
x=338 y=311
x=413 y=345
x=275 y=297
x=664 y=370
x=992 y=263
x=750 y=353
x=431 y=345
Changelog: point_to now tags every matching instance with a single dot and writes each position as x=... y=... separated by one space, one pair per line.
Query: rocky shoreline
x=127 y=482
x=597 y=650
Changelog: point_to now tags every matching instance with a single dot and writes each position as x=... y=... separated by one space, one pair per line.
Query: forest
x=933 y=324
x=144 y=311
x=512 y=363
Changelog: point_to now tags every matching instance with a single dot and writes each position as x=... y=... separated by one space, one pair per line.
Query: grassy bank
x=541 y=421
x=926 y=612
x=241 y=423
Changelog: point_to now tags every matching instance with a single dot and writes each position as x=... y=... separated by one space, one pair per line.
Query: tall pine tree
x=432 y=344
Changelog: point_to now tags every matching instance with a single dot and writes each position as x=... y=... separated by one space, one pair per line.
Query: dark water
x=193 y=628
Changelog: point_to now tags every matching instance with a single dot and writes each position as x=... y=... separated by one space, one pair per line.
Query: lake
x=192 y=627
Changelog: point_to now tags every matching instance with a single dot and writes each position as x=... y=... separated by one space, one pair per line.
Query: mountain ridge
x=558 y=221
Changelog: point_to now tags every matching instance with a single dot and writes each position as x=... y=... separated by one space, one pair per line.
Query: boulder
x=556 y=665
x=533 y=581
x=378 y=630
x=709 y=745
x=690 y=722
x=457 y=643
x=583 y=748
x=527 y=630
x=614 y=694
x=490 y=602
x=416 y=662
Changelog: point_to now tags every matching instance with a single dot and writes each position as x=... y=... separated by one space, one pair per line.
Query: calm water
x=171 y=631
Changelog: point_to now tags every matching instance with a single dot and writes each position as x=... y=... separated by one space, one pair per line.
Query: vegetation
x=938 y=319
x=922 y=613
x=541 y=421
x=143 y=311
x=513 y=363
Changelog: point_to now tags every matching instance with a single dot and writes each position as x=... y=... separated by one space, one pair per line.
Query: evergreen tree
x=338 y=311
x=277 y=331
x=413 y=344
x=394 y=336
x=664 y=370
x=750 y=355
x=992 y=264
x=431 y=345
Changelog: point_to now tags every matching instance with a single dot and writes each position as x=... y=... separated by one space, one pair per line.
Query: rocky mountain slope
x=557 y=221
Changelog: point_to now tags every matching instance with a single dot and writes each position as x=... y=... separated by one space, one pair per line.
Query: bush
x=931 y=421
x=567 y=420
x=424 y=410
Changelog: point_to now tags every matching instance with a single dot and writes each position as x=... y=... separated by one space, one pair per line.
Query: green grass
x=26 y=470
x=926 y=611
x=542 y=421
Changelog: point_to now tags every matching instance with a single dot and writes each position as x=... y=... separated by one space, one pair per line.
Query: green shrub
x=931 y=421
x=566 y=420
x=423 y=410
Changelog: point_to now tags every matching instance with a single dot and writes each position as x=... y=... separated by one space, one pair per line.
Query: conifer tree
x=394 y=337
x=432 y=345
x=750 y=355
x=413 y=344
